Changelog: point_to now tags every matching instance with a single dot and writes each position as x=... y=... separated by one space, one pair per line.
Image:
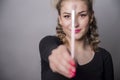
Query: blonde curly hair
x=92 y=35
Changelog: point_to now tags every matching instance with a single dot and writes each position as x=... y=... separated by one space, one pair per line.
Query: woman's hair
x=91 y=35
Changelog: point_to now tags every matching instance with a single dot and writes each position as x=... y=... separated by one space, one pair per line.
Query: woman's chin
x=78 y=37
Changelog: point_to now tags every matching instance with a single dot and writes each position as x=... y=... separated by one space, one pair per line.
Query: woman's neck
x=83 y=51
x=80 y=45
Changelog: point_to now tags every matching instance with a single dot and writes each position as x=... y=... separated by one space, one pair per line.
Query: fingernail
x=72 y=75
x=72 y=70
x=72 y=63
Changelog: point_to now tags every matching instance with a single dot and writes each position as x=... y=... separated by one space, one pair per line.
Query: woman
x=90 y=61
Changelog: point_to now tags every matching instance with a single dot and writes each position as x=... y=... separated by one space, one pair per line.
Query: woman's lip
x=77 y=30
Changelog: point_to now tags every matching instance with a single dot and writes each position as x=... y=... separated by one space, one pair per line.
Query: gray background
x=24 y=22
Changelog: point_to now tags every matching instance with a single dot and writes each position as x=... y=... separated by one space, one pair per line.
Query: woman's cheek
x=85 y=23
x=67 y=24
x=66 y=27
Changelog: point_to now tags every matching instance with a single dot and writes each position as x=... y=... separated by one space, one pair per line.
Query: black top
x=99 y=68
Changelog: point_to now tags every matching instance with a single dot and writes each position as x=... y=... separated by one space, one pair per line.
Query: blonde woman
x=90 y=61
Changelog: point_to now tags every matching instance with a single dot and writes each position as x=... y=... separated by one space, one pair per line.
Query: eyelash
x=67 y=16
x=83 y=15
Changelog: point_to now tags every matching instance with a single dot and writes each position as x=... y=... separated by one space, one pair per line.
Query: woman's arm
x=57 y=56
x=47 y=44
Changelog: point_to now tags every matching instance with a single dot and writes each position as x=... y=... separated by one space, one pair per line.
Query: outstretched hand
x=60 y=61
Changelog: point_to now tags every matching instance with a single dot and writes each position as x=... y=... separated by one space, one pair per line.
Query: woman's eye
x=66 y=16
x=83 y=15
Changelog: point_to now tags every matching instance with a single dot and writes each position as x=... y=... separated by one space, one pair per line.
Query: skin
x=60 y=59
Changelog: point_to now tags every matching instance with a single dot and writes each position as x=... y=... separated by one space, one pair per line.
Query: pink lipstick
x=77 y=30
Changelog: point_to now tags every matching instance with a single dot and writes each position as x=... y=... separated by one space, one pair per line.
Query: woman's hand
x=61 y=62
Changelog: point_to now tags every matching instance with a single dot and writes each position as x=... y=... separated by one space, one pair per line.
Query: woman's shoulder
x=50 y=39
x=105 y=54
x=102 y=50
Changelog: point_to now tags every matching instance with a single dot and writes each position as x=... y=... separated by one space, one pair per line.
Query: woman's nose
x=76 y=23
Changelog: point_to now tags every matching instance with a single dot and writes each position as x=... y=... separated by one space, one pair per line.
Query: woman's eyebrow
x=66 y=13
x=82 y=12
x=78 y=12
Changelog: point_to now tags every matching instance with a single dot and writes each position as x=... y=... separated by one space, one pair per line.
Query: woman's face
x=82 y=18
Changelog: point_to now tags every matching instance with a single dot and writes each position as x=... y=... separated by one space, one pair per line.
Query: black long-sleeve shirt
x=99 y=68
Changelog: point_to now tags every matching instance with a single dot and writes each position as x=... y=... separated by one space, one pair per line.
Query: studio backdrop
x=23 y=23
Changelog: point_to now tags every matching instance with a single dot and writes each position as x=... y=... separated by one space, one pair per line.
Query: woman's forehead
x=77 y=5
